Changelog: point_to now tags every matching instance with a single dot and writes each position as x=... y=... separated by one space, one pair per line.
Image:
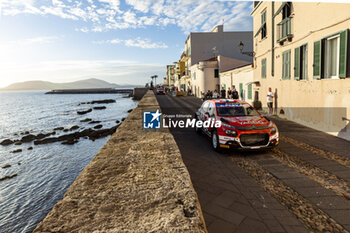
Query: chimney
x=218 y=28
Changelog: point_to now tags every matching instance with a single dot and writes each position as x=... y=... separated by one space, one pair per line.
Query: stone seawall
x=136 y=183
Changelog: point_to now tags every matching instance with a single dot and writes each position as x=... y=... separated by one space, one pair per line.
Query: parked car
x=242 y=126
x=160 y=91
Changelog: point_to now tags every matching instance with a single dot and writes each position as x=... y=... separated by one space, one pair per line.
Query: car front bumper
x=235 y=142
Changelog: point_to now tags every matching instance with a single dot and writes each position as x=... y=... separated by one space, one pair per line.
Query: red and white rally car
x=160 y=91
x=242 y=127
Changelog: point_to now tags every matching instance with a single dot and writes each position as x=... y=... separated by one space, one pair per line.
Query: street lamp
x=241 y=46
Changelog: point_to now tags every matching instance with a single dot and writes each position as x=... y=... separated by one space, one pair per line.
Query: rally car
x=242 y=126
x=160 y=91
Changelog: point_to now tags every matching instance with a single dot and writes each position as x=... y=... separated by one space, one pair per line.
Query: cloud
x=104 y=15
x=138 y=42
x=33 y=40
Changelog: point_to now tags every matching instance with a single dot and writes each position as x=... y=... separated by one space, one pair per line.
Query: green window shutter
x=288 y=64
x=343 y=53
x=306 y=57
x=250 y=91
x=297 y=63
x=317 y=60
x=263 y=68
x=283 y=65
x=241 y=90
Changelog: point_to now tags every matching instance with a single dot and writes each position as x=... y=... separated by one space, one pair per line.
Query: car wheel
x=215 y=141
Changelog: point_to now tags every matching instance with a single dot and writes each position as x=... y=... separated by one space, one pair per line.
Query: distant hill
x=44 y=85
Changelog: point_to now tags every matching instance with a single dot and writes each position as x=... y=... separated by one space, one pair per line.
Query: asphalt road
x=301 y=186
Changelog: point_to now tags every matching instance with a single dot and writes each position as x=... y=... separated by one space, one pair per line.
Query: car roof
x=216 y=101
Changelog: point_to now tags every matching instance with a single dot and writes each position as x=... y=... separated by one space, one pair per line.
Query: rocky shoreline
x=136 y=183
x=68 y=139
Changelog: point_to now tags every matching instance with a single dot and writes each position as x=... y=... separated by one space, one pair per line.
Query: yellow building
x=302 y=53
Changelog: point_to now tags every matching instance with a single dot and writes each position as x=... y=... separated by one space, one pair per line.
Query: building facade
x=302 y=53
x=170 y=75
x=201 y=46
x=242 y=79
x=207 y=74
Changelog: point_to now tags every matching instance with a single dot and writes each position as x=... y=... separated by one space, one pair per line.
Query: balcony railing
x=285 y=30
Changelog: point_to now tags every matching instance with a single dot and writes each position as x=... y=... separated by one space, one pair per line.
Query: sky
x=119 y=41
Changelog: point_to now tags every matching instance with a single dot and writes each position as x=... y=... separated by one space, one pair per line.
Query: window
x=263 y=68
x=284 y=28
x=286 y=65
x=194 y=75
x=330 y=56
x=216 y=73
x=287 y=10
x=235 y=110
x=250 y=91
x=263 y=25
x=300 y=63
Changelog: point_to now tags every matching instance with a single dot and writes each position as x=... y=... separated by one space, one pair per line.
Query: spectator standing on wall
x=223 y=93
x=229 y=93
x=215 y=94
x=235 y=94
x=270 y=101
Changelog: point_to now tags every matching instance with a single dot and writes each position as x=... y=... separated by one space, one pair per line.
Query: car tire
x=215 y=141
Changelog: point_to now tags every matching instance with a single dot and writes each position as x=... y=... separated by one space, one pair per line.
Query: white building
x=242 y=78
x=206 y=74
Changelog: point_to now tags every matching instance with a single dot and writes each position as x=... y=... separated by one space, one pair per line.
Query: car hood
x=248 y=121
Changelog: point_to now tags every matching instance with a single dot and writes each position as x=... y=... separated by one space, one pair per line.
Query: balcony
x=284 y=30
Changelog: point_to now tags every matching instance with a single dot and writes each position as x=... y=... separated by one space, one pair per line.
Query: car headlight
x=228 y=126
x=270 y=125
x=273 y=131
x=231 y=133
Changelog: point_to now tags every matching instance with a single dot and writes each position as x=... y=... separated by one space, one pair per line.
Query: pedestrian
x=210 y=94
x=189 y=91
x=235 y=94
x=223 y=93
x=270 y=101
x=229 y=93
x=215 y=94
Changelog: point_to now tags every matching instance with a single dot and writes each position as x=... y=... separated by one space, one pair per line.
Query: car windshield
x=235 y=110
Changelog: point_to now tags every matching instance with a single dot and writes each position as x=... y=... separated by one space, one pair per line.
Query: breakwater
x=136 y=183
x=91 y=91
